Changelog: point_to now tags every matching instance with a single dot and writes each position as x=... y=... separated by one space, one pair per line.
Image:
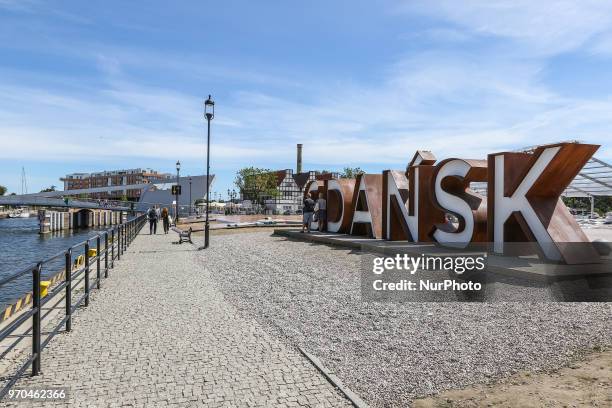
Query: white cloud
x=451 y=103
x=602 y=45
x=542 y=27
x=18 y=5
x=458 y=101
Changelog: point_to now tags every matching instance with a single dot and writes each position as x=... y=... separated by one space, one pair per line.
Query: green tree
x=602 y=204
x=353 y=172
x=2 y=190
x=256 y=184
x=48 y=189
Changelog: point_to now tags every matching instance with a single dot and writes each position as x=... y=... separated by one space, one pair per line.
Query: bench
x=184 y=236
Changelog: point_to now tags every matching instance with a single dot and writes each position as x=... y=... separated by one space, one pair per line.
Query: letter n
x=408 y=210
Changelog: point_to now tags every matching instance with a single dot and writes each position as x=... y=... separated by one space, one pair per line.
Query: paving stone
x=158 y=333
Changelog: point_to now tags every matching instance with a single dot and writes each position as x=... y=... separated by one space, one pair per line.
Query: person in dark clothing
x=152 y=216
x=166 y=219
x=308 y=212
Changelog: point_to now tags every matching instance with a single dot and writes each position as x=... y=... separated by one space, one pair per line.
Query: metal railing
x=80 y=261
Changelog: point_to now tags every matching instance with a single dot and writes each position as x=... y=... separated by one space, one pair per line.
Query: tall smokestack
x=299 y=158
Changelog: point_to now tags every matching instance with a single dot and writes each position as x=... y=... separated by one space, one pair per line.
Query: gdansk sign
x=522 y=204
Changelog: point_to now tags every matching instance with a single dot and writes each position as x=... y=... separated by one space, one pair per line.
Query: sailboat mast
x=24 y=182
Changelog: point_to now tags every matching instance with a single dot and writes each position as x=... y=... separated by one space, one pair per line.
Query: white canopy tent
x=594 y=180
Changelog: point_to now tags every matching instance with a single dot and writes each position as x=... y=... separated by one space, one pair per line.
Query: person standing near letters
x=308 y=212
x=321 y=212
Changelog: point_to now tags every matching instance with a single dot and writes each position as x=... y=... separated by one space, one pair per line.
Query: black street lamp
x=190 y=195
x=178 y=169
x=233 y=198
x=209 y=114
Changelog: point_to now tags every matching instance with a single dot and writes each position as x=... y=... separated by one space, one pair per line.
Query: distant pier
x=73 y=218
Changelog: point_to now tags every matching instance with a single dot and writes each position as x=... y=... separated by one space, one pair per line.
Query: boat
x=19 y=213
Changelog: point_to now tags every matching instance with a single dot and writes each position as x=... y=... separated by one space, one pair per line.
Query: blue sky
x=100 y=85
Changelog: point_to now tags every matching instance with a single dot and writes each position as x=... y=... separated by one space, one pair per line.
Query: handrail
x=116 y=240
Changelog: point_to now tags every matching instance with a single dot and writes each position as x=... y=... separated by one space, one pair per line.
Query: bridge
x=66 y=214
x=39 y=200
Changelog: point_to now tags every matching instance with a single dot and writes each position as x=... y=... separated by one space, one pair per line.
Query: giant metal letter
x=451 y=187
x=367 y=206
x=339 y=204
x=408 y=212
x=524 y=204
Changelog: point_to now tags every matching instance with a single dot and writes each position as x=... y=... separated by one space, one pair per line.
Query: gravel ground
x=390 y=353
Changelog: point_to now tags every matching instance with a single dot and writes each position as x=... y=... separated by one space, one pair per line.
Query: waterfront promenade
x=174 y=326
x=159 y=333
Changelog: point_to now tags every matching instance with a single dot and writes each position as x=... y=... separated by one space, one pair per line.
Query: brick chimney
x=299 y=158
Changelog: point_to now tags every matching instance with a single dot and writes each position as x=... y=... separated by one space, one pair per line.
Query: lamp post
x=178 y=169
x=209 y=114
x=190 y=202
x=233 y=198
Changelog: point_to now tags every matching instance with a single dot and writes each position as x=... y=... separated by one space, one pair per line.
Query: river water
x=21 y=246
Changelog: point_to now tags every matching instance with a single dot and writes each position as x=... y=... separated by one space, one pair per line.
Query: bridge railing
x=53 y=303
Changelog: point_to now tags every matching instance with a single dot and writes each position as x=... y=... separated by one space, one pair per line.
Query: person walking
x=166 y=219
x=152 y=216
x=321 y=207
x=308 y=212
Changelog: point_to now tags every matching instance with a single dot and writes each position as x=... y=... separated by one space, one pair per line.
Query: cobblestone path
x=159 y=334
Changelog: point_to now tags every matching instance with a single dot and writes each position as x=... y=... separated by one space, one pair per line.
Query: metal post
x=190 y=196
x=36 y=319
x=176 y=216
x=106 y=254
x=113 y=248
x=206 y=226
x=98 y=260
x=69 y=290
x=87 y=273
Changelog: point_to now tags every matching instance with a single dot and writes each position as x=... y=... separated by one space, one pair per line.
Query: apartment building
x=76 y=181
